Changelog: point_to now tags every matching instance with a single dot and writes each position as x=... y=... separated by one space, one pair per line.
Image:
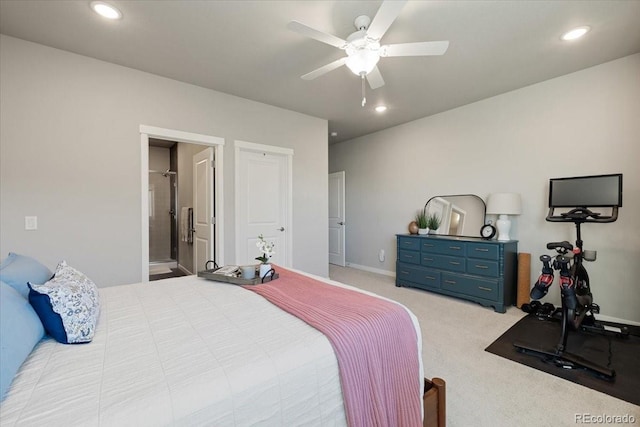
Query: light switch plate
x=30 y=222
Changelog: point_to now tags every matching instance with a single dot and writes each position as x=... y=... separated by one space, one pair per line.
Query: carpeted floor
x=620 y=354
x=484 y=389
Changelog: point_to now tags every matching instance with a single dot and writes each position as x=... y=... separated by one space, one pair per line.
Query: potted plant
x=433 y=222
x=421 y=220
x=267 y=252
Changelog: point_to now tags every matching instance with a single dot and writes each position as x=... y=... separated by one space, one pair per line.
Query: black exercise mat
x=624 y=355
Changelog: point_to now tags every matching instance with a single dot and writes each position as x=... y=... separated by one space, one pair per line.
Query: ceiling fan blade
x=325 y=69
x=415 y=49
x=305 y=30
x=375 y=78
x=388 y=12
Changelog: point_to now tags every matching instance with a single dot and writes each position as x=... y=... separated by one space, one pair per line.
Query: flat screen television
x=595 y=191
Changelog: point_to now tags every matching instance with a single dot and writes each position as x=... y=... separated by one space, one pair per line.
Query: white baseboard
x=371 y=269
x=616 y=320
x=393 y=274
x=184 y=270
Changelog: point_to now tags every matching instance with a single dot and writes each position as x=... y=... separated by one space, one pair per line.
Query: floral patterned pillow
x=68 y=305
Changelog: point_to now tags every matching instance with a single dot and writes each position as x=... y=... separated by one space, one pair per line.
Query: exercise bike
x=578 y=308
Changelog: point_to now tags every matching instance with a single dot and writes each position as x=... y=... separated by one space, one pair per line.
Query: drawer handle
x=485 y=289
x=404 y=272
x=482 y=249
x=482 y=266
x=430 y=277
x=454 y=263
x=457 y=248
x=408 y=256
x=407 y=243
x=428 y=259
x=428 y=245
x=451 y=282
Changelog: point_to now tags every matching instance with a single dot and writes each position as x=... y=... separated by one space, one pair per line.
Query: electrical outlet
x=30 y=222
x=381 y=255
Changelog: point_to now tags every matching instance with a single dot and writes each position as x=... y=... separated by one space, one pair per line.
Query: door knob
x=281 y=228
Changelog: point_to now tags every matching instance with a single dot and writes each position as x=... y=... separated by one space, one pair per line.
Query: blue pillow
x=16 y=270
x=68 y=305
x=20 y=331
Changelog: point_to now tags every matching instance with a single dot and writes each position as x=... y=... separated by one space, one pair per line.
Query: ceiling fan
x=363 y=47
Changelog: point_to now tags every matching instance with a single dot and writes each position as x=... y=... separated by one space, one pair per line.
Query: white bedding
x=184 y=351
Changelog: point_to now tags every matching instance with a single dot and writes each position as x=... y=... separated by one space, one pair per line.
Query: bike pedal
x=588 y=320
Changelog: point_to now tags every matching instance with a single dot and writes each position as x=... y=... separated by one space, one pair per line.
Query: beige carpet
x=484 y=389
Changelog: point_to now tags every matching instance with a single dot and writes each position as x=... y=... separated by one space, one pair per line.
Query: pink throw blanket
x=374 y=340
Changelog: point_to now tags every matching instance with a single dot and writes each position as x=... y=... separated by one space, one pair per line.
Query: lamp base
x=503 y=224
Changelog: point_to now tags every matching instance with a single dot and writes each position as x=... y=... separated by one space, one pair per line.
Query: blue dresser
x=484 y=271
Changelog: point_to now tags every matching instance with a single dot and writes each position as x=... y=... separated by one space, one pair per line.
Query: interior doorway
x=163 y=212
x=263 y=193
x=337 y=215
x=186 y=145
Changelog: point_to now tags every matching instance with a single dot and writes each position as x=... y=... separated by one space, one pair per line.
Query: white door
x=203 y=174
x=263 y=202
x=336 y=219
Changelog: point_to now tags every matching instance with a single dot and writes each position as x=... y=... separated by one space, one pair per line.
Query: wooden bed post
x=435 y=413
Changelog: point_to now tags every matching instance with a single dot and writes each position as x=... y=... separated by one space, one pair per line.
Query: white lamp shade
x=362 y=61
x=504 y=204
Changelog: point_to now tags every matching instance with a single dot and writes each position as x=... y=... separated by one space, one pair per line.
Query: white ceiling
x=244 y=48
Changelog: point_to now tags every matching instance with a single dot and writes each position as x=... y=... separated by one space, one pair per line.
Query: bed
x=184 y=351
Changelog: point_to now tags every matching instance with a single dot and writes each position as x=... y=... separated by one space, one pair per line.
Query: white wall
x=579 y=124
x=70 y=154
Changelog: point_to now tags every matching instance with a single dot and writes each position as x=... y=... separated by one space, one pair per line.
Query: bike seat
x=556 y=245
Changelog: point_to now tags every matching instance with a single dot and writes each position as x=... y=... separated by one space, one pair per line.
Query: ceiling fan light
x=362 y=61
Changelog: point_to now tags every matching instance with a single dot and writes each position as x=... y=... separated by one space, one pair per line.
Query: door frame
x=270 y=149
x=147 y=132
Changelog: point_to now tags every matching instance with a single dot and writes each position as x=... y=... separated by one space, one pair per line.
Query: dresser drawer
x=418 y=275
x=444 y=247
x=482 y=250
x=412 y=257
x=486 y=289
x=410 y=243
x=482 y=267
x=444 y=262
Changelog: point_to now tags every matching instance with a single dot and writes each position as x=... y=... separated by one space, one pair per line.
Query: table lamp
x=504 y=204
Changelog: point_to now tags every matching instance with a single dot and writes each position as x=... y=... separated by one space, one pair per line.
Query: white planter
x=423 y=231
x=264 y=269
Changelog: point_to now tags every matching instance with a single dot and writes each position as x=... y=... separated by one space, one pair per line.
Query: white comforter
x=183 y=351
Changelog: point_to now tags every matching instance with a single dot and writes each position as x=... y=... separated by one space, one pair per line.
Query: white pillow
x=68 y=305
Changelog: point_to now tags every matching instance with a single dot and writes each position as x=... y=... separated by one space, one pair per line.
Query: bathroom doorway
x=187 y=145
x=163 y=209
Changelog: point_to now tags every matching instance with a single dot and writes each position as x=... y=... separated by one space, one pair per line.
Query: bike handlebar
x=582 y=214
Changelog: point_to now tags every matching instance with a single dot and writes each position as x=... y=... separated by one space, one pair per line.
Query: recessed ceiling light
x=105 y=10
x=576 y=33
x=381 y=108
